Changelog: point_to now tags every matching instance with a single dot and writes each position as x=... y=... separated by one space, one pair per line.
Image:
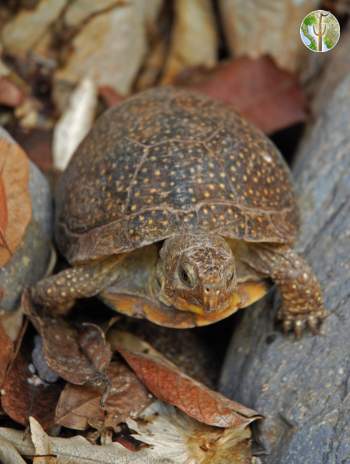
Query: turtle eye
x=185 y=277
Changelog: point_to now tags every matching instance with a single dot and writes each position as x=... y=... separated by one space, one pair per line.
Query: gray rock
x=32 y=258
x=302 y=387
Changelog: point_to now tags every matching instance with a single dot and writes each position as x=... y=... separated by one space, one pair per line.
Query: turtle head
x=196 y=273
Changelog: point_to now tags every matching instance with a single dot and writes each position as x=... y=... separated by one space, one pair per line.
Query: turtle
x=176 y=209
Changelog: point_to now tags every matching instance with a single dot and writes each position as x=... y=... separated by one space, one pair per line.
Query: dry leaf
x=81 y=11
x=28 y=27
x=10 y=93
x=174 y=439
x=9 y=454
x=76 y=357
x=24 y=395
x=15 y=201
x=42 y=445
x=75 y=123
x=264 y=94
x=194 y=39
x=103 y=51
x=177 y=437
x=6 y=350
x=109 y=95
x=266 y=27
x=170 y=385
x=153 y=65
x=11 y=333
x=37 y=144
x=80 y=406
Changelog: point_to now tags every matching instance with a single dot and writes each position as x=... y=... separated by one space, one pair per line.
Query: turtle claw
x=297 y=323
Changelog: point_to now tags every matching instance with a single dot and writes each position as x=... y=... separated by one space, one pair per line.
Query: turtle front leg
x=59 y=292
x=302 y=302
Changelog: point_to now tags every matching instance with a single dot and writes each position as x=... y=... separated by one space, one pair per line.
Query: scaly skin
x=302 y=302
x=60 y=291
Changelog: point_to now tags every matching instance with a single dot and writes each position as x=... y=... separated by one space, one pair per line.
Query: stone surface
x=31 y=259
x=302 y=387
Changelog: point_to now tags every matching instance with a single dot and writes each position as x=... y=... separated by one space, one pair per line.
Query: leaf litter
x=73 y=380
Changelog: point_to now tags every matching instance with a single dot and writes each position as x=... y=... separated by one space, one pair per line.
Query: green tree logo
x=320 y=31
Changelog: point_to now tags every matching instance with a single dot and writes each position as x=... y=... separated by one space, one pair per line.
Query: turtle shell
x=167 y=161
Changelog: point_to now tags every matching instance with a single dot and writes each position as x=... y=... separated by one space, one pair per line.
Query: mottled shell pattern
x=167 y=161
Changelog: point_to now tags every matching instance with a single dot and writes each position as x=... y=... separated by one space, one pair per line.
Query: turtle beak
x=214 y=298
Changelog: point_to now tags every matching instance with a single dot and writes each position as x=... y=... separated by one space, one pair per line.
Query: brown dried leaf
x=11 y=334
x=24 y=395
x=80 y=406
x=6 y=350
x=169 y=384
x=78 y=357
x=267 y=96
x=15 y=201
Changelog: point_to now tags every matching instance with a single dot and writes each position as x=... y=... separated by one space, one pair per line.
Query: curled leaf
x=80 y=406
x=170 y=385
x=76 y=356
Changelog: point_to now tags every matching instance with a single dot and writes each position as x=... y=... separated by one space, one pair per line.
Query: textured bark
x=302 y=387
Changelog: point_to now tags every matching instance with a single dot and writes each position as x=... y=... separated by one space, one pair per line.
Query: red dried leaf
x=170 y=385
x=80 y=406
x=10 y=93
x=267 y=96
x=109 y=95
x=15 y=201
x=23 y=395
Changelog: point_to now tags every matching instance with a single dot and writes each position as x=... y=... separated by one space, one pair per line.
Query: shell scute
x=167 y=161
